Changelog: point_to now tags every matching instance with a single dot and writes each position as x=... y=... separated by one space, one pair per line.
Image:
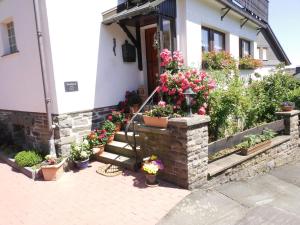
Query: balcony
x=257 y=8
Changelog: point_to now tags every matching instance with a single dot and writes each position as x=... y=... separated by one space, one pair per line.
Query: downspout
x=51 y=126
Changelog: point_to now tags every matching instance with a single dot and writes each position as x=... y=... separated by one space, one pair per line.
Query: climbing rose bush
x=176 y=79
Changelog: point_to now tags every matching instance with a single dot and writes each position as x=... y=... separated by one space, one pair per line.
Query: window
x=244 y=48
x=264 y=54
x=212 y=40
x=8 y=37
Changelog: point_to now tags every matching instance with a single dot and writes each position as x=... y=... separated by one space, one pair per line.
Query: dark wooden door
x=152 y=60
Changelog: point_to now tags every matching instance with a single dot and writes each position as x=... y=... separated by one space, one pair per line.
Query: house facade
x=65 y=66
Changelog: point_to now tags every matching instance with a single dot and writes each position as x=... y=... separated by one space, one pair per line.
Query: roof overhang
x=112 y=16
x=243 y=13
x=275 y=45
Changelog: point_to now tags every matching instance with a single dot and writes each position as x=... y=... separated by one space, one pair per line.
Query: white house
x=62 y=66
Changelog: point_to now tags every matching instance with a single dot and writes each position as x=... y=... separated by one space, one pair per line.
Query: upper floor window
x=245 y=49
x=212 y=40
x=8 y=37
x=11 y=37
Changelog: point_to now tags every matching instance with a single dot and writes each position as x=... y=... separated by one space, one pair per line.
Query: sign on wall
x=71 y=86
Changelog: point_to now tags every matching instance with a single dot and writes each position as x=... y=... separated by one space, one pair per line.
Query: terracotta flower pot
x=98 y=150
x=118 y=126
x=151 y=179
x=161 y=122
x=111 y=138
x=287 y=108
x=53 y=172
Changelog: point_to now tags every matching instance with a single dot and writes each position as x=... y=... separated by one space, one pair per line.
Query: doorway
x=152 y=59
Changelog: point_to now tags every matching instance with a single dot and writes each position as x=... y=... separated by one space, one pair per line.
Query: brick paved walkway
x=84 y=198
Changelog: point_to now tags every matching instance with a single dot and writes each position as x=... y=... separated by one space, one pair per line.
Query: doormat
x=109 y=170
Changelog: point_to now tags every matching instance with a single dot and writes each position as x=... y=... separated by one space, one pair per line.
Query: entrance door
x=152 y=59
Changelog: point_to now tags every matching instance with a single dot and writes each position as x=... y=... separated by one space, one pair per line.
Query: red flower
x=201 y=111
x=109 y=117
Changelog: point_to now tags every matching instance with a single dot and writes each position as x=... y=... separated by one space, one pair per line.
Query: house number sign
x=71 y=86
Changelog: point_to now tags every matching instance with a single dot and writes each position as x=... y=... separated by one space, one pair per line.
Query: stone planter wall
x=72 y=127
x=183 y=148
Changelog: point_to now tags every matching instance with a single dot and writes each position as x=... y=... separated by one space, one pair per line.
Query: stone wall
x=28 y=129
x=183 y=148
x=72 y=127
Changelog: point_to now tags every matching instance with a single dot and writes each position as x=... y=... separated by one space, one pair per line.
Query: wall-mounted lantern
x=128 y=52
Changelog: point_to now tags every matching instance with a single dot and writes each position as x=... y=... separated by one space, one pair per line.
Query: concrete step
x=118 y=160
x=120 y=148
x=120 y=136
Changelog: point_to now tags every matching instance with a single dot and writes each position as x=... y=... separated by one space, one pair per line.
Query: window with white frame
x=9 y=43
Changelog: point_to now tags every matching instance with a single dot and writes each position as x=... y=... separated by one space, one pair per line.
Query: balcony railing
x=259 y=8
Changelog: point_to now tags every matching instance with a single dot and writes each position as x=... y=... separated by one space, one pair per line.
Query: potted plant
x=158 y=116
x=133 y=100
x=287 y=106
x=110 y=130
x=254 y=142
x=118 y=119
x=97 y=140
x=80 y=154
x=249 y=63
x=151 y=167
x=52 y=167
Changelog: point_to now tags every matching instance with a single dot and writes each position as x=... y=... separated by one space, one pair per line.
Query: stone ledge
x=289 y=113
x=230 y=161
x=29 y=172
x=188 y=121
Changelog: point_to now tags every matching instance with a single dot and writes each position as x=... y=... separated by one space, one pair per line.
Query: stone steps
x=120 y=153
x=120 y=136
x=121 y=148
x=118 y=160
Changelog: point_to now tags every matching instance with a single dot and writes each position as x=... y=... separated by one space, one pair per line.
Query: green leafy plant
x=109 y=126
x=218 y=61
x=28 y=158
x=81 y=151
x=254 y=139
x=116 y=117
x=249 y=63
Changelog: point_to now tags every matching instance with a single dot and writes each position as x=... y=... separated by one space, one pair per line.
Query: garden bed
x=31 y=172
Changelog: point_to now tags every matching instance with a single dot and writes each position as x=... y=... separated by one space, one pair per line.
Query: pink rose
x=201 y=111
x=162 y=103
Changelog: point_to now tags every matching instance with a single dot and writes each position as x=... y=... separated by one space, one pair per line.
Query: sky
x=284 y=18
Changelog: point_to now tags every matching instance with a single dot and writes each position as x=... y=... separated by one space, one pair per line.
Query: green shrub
x=28 y=158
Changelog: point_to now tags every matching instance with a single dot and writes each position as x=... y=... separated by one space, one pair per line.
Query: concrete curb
x=28 y=171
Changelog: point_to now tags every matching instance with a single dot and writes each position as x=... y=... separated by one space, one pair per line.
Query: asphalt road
x=271 y=199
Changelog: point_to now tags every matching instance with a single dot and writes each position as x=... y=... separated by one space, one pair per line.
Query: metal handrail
x=136 y=166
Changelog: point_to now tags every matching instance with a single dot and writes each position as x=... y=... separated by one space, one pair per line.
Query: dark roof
x=275 y=45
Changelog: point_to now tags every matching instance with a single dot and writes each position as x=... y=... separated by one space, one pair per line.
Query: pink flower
x=194 y=71
x=202 y=75
x=164 y=78
x=201 y=111
x=211 y=84
x=172 y=92
x=164 y=89
x=162 y=103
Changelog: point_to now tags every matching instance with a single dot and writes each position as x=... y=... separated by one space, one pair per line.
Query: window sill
x=10 y=54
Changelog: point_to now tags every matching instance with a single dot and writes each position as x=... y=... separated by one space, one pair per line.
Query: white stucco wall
x=82 y=50
x=20 y=74
x=208 y=13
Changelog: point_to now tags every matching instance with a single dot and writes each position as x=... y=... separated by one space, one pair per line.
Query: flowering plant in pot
x=80 y=154
x=118 y=118
x=151 y=167
x=287 y=106
x=97 y=140
x=176 y=80
x=52 y=167
x=158 y=116
x=249 y=63
x=110 y=128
